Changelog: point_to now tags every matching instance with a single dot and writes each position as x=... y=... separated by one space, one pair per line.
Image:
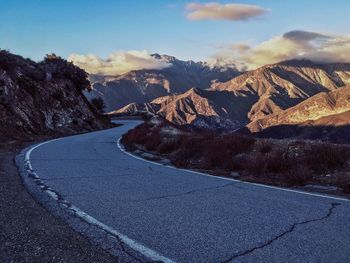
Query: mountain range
x=291 y=92
x=142 y=86
x=296 y=98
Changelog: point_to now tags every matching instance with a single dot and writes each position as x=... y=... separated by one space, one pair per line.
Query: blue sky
x=33 y=28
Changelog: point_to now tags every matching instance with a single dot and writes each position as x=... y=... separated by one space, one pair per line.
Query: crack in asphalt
x=185 y=193
x=289 y=230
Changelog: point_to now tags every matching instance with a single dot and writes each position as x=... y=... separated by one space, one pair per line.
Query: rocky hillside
x=280 y=86
x=200 y=108
x=44 y=98
x=321 y=105
x=325 y=115
x=251 y=96
x=145 y=85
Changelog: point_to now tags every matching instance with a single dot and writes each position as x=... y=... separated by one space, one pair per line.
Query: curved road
x=182 y=216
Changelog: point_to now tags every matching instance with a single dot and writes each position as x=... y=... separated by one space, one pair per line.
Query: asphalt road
x=181 y=216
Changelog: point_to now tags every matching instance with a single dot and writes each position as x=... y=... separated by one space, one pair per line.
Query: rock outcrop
x=44 y=98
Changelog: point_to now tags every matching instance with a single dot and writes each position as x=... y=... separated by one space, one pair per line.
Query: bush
x=28 y=85
x=98 y=103
x=58 y=95
x=136 y=136
x=325 y=157
x=36 y=74
x=61 y=68
x=167 y=146
x=264 y=146
x=298 y=174
x=7 y=61
x=276 y=162
x=343 y=181
x=189 y=149
x=254 y=164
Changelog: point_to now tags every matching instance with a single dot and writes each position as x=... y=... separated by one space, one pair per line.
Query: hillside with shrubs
x=276 y=162
x=45 y=98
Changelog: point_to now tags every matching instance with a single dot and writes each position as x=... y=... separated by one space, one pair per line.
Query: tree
x=98 y=103
x=61 y=68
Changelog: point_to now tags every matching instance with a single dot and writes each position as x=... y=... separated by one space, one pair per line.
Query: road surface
x=177 y=216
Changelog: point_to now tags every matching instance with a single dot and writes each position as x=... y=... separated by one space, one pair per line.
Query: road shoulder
x=29 y=233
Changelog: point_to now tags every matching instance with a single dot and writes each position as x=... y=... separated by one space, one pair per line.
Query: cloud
x=297 y=44
x=216 y=11
x=303 y=36
x=118 y=62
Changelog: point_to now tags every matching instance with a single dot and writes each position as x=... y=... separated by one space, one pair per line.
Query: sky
x=197 y=30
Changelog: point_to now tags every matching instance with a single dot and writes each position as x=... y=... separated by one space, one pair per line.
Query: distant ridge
x=142 y=86
x=252 y=96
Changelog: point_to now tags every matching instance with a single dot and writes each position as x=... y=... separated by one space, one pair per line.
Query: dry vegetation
x=277 y=162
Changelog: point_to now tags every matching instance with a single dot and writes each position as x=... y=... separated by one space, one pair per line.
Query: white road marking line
x=230 y=179
x=147 y=252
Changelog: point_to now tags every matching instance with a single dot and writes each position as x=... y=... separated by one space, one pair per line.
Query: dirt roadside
x=29 y=233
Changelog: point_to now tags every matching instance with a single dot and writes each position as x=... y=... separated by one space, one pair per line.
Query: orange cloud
x=216 y=11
